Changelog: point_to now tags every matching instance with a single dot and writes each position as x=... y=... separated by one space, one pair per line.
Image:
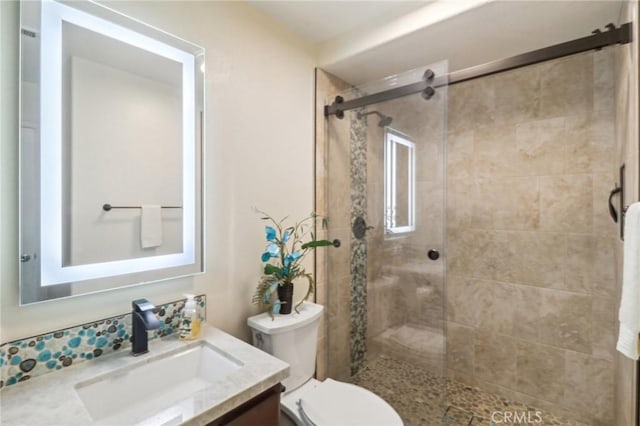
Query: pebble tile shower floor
x=420 y=398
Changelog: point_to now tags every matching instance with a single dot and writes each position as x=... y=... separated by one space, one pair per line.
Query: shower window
x=399 y=183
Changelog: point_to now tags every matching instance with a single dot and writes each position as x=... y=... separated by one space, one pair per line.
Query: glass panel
x=110 y=160
x=531 y=256
x=385 y=296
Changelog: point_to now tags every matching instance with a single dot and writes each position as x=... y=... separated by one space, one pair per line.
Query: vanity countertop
x=52 y=399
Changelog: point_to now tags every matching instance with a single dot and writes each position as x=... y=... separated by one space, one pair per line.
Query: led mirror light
x=52 y=269
x=399 y=183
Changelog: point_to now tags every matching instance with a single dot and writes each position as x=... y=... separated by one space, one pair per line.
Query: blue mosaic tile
x=23 y=359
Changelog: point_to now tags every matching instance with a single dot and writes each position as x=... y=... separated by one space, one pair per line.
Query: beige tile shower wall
x=339 y=260
x=333 y=282
x=531 y=265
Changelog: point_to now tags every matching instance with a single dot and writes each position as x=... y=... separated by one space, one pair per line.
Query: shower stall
x=385 y=192
x=476 y=280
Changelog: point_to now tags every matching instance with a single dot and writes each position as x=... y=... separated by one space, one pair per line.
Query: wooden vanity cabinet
x=262 y=410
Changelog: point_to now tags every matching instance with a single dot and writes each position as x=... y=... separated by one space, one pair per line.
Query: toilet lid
x=334 y=403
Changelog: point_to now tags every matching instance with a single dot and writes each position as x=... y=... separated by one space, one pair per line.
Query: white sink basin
x=162 y=390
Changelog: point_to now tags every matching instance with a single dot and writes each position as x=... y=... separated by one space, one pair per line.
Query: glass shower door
x=386 y=289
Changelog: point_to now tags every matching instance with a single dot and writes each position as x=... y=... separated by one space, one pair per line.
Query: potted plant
x=286 y=248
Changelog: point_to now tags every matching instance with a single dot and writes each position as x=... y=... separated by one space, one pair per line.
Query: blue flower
x=276 y=307
x=271 y=233
x=265 y=256
x=273 y=250
x=285 y=236
x=292 y=258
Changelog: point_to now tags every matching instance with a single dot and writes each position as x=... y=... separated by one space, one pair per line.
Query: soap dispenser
x=189 y=320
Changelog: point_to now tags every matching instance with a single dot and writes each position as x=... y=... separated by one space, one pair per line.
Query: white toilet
x=309 y=402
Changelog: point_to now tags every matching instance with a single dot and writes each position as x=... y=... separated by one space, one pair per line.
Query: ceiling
x=320 y=20
x=488 y=31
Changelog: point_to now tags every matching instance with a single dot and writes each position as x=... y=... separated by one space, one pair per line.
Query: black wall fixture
x=612 y=210
x=623 y=208
x=618 y=215
x=360 y=227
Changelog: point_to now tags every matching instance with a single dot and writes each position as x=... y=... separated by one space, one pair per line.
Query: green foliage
x=317 y=243
x=286 y=248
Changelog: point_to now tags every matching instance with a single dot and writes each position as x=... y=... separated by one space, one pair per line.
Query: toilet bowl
x=293 y=338
x=334 y=403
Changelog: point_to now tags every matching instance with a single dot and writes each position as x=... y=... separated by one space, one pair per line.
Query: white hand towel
x=629 y=314
x=151 y=226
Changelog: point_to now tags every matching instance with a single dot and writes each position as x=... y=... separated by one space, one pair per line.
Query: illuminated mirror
x=399 y=183
x=110 y=152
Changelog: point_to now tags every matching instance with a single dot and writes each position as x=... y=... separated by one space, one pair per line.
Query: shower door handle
x=433 y=254
x=612 y=210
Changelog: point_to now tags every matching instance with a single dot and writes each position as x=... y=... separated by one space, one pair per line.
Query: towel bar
x=106 y=207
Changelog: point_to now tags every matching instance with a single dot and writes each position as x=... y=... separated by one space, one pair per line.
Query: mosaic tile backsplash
x=23 y=359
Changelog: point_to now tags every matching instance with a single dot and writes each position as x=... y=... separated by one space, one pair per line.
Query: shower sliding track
x=599 y=39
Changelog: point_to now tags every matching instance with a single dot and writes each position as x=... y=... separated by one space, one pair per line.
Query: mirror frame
x=91 y=16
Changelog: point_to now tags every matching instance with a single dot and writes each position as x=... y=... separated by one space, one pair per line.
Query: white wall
x=259 y=152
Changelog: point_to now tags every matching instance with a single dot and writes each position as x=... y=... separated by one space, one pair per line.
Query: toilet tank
x=292 y=338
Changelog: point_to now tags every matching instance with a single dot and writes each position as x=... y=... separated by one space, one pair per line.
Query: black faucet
x=142 y=319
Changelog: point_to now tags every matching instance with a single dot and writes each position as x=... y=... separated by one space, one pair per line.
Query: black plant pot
x=285 y=295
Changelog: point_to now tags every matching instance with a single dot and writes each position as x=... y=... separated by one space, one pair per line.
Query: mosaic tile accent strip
x=424 y=399
x=23 y=359
x=358 y=175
